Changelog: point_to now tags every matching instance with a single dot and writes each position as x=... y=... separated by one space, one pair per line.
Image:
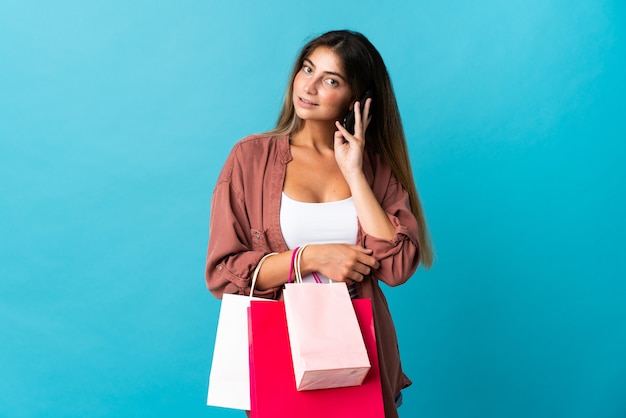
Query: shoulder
x=252 y=155
x=259 y=144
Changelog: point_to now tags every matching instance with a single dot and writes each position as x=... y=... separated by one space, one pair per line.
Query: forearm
x=373 y=219
x=338 y=262
x=274 y=271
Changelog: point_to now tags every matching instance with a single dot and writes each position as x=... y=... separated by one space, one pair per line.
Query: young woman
x=349 y=196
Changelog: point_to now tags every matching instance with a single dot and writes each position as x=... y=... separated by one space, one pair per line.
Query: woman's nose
x=310 y=87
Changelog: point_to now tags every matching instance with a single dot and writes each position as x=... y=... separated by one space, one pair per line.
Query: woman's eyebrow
x=326 y=72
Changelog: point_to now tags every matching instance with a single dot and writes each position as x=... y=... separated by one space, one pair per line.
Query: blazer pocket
x=259 y=240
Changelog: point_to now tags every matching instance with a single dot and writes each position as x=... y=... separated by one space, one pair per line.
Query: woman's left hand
x=349 y=148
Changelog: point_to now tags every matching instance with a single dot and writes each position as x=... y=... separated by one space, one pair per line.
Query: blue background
x=115 y=118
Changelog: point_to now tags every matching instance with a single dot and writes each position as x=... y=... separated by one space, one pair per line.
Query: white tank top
x=317 y=223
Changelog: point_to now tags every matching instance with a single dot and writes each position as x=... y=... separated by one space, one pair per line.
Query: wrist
x=306 y=257
x=355 y=178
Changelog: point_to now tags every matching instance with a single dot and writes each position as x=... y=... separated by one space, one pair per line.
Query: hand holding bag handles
x=296 y=256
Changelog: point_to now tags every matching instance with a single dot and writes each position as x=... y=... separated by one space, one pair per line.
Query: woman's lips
x=305 y=102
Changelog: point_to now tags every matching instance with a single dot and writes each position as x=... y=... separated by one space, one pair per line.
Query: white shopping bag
x=229 y=379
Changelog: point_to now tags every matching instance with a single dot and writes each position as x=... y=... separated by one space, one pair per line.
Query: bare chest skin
x=314 y=176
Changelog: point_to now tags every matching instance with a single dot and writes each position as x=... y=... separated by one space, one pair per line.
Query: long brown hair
x=365 y=69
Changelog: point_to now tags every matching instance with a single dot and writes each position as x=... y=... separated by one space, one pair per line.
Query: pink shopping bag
x=327 y=346
x=272 y=390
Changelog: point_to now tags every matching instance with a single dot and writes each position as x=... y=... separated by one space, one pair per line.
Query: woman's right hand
x=339 y=262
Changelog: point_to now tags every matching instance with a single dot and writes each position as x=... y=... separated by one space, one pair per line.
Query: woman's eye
x=331 y=82
x=307 y=69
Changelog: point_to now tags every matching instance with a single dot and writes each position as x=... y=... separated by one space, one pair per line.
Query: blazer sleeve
x=399 y=256
x=234 y=249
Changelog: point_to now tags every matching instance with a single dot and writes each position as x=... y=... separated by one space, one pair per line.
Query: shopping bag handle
x=295 y=266
x=291 y=265
x=256 y=271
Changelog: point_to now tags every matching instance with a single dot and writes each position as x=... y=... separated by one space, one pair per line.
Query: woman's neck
x=315 y=134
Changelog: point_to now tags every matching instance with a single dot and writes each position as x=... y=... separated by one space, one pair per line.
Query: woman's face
x=320 y=89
